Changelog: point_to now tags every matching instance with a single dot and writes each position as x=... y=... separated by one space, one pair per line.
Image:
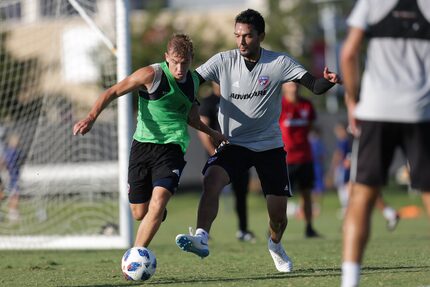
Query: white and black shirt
x=396 y=81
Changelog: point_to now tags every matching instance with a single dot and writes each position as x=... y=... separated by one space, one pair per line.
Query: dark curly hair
x=253 y=18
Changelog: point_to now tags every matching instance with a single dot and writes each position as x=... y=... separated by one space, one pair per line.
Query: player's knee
x=157 y=209
x=279 y=220
x=211 y=187
x=138 y=213
x=214 y=181
x=159 y=199
x=278 y=217
x=278 y=224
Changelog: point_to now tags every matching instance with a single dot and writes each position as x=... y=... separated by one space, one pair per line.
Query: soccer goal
x=61 y=191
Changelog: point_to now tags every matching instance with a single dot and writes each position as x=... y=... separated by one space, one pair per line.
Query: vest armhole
x=157 y=78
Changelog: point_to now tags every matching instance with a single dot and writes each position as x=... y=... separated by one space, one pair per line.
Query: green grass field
x=399 y=258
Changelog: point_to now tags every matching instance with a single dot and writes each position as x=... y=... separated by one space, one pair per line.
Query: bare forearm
x=196 y=122
x=141 y=78
x=102 y=102
x=350 y=69
x=200 y=126
x=350 y=64
x=206 y=142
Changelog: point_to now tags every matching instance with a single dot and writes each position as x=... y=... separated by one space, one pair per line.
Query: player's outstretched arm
x=331 y=76
x=195 y=121
x=319 y=86
x=142 y=77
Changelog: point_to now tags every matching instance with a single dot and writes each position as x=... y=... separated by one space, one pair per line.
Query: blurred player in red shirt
x=296 y=120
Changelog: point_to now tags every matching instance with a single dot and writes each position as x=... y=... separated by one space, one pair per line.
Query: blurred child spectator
x=340 y=165
x=318 y=155
x=13 y=159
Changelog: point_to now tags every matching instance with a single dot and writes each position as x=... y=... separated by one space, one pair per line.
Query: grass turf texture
x=399 y=258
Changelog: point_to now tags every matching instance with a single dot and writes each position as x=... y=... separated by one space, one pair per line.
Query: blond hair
x=181 y=45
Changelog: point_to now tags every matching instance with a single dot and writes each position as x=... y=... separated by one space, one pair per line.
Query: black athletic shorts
x=373 y=152
x=153 y=165
x=270 y=166
x=301 y=175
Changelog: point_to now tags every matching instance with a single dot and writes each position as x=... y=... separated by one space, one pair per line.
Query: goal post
x=60 y=191
x=124 y=116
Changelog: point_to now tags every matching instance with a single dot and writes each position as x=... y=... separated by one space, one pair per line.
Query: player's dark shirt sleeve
x=317 y=86
x=201 y=80
x=205 y=109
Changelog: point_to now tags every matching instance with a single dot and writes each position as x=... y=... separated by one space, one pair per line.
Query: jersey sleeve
x=210 y=71
x=205 y=108
x=291 y=70
x=317 y=86
x=359 y=17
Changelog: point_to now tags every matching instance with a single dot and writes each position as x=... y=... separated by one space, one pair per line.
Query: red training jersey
x=295 y=122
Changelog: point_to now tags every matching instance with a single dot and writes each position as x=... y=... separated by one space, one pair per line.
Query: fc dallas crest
x=263 y=81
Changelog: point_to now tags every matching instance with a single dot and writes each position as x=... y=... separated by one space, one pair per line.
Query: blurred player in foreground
x=167 y=94
x=393 y=110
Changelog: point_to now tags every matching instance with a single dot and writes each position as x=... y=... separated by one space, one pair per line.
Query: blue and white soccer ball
x=138 y=263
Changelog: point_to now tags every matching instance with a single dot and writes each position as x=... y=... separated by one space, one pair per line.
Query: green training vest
x=164 y=120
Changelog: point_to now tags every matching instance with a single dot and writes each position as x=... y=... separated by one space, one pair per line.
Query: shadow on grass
x=373 y=269
x=299 y=273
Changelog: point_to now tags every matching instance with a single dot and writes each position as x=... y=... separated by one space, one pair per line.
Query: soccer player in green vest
x=167 y=105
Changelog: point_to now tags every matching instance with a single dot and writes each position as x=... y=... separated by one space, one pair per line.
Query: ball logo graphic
x=138 y=263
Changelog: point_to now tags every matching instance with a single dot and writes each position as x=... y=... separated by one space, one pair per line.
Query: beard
x=250 y=53
x=245 y=53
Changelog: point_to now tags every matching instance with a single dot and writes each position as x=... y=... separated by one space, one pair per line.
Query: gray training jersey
x=250 y=103
x=396 y=82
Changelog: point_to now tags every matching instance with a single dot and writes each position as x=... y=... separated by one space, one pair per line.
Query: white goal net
x=58 y=190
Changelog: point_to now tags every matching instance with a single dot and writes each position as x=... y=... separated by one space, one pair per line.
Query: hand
x=331 y=76
x=83 y=126
x=353 y=126
x=218 y=138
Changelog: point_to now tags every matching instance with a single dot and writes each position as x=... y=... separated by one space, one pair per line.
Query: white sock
x=350 y=274
x=389 y=213
x=202 y=233
x=275 y=246
x=342 y=193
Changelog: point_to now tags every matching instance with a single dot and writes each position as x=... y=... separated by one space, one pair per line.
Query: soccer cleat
x=193 y=243
x=391 y=216
x=311 y=233
x=164 y=215
x=245 y=236
x=282 y=262
x=392 y=222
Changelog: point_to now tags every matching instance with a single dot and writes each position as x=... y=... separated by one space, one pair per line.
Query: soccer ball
x=138 y=263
